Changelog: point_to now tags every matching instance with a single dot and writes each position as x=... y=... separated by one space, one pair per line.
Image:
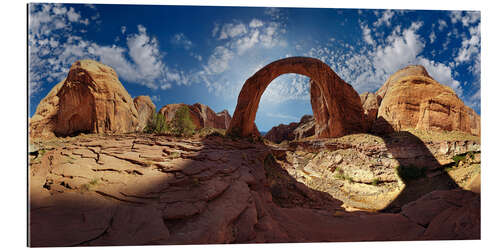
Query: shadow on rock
x=142 y=189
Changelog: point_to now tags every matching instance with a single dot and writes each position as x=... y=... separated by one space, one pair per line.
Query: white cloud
x=55 y=44
x=236 y=40
x=367 y=68
x=287 y=88
x=366 y=35
x=180 y=39
x=255 y=23
x=432 y=37
x=123 y=29
x=218 y=62
x=283 y=116
x=385 y=18
x=155 y=98
x=230 y=30
x=465 y=17
x=442 y=24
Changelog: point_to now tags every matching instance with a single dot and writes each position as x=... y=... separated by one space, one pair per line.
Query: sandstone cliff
x=292 y=131
x=201 y=115
x=145 y=108
x=411 y=98
x=91 y=99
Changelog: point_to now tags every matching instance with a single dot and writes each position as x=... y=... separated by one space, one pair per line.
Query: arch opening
x=336 y=105
x=285 y=102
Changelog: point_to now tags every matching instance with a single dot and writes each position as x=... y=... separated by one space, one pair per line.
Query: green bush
x=182 y=123
x=459 y=158
x=411 y=172
x=156 y=125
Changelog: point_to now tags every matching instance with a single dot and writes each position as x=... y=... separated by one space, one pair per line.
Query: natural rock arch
x=336 y=105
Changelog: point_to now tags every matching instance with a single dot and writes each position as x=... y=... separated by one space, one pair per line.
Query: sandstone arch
x=335 y=104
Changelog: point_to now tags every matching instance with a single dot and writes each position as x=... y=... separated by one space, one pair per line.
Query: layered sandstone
x=201 y=115
x=370 y=103
x=335 y=104
x=146 y=109
x=91 y=100
x=292 y=131
x=413 y=99
x=137 y=189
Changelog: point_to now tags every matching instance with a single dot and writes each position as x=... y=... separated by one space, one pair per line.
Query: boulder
x=145 y=108
x=201 y=115
x=91 y=100
x=411 y=98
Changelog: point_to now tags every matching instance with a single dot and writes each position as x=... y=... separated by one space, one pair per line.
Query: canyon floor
x=136 y=189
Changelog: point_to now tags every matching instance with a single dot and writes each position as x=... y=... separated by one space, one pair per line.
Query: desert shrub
x=375 y=181
x=410 y=172
x=156 y=125
x=459 y=158
x=182 y=124
x=211 y=132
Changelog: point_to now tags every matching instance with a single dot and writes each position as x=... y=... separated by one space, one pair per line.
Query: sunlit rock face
x=91 y=100
x=201 y=115
x=336 y=105
x=413 y=99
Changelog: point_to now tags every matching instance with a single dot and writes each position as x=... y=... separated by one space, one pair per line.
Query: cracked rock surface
x=137 y=189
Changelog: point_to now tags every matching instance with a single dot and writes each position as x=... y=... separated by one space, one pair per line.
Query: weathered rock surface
x=292 y=131
x=362 y=170
x=130 y=190
x=146 y=109
x=335 y=104
x=370 y=103
x=201 y=115
x=91 y=99
x=412 y=99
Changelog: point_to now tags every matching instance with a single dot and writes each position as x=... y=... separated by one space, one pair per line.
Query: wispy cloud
x=181 y=40
x=56 y=41
x=368 y=67
x=283 y=116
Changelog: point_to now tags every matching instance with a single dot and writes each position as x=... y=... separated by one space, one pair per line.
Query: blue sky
x=204 y=54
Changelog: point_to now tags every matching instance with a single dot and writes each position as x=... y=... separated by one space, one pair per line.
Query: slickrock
x=125 y=190
x=411 y=98
x=91 y=99
x=201 y=115
x=146 y=109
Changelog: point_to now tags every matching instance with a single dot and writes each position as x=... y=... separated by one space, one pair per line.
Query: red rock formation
x=292 y=131
x=90 y=99
x=201 y=115
x=336 y=105
x=370 y=103
x=412 y=99
x=145 y=108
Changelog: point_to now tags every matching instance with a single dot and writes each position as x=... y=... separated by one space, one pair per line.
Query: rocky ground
x=136 y=189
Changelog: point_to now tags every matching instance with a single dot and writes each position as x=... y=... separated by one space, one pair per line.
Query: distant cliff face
x=292 y=131
x=412 y=99
x=201 y=115
x=91 y=99
x=145 y=108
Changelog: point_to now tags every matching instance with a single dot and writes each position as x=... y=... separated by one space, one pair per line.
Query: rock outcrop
x=292 y=131
x=146 y=109
x=370 y=103
x=336 y=105
x=201 y=115
x=143 y=189
x=411 y=98
x=91 y=99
